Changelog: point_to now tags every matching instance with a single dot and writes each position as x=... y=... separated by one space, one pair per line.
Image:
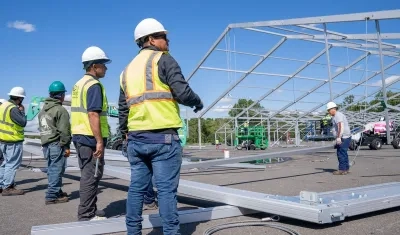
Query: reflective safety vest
x=80 y=124
x=150 y=101
x=9 y=131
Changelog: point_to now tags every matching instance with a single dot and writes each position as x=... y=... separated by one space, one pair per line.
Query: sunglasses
x=160 y=36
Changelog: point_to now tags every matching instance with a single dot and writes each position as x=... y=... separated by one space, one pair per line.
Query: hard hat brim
x=22 y=96
x=137 y=40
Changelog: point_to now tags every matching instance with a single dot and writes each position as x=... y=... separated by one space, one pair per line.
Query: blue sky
x=49 y=45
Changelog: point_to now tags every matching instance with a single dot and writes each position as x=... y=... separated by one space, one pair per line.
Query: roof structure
x=294 y=67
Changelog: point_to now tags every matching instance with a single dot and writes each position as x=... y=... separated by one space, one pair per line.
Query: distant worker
x=217 y=143
x=12 y=123
x=382 y=119
x=152 y=127
x=55 y=136
x=1 y=153
x=246 y=127
x=89 y=127
x=343 y=137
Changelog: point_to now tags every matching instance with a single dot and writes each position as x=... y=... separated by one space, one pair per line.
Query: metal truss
x=367 y=45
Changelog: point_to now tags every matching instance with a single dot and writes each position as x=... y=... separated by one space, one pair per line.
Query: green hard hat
x=57 y=86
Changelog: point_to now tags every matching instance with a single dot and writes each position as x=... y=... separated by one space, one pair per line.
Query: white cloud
x=226 y=100
x=222 y=108
x=390 y=79
x=339 y=69
x=22 y=25
x=279 y=90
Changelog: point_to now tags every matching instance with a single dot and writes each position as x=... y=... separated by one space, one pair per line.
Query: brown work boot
x=61 y=199
x=340 y=172
x=63 y=194
x=151 y=206
x=12 y=191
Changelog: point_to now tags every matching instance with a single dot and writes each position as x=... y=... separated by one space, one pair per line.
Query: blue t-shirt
x=94 y=100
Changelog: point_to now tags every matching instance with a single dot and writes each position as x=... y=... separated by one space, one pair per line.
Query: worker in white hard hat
x=89 y=128
x=151 y=128
x=12 y=123
x=342 y=133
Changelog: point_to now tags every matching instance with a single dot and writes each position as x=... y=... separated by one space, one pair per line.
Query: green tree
x=241 y=105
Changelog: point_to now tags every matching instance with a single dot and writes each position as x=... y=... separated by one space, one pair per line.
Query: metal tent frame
x=304 y=29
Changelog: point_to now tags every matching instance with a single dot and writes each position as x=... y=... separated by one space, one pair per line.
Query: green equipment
x=251 y=138
x=114 y=140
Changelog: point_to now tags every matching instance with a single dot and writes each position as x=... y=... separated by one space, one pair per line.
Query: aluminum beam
x=115 y=225
x=210 y=163
x=209 y=52
x=286 y=80
x=391 y=14
x=329 y=207
x=260 y=61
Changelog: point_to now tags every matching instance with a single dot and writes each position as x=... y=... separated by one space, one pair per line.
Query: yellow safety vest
x=150 y=101
x=79 y=116
x=9 y=131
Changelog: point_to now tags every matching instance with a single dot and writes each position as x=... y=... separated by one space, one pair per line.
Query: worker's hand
x=67 y=153
x=99 y=150
x=338 y=141
x=198 y=107
x=21 y=107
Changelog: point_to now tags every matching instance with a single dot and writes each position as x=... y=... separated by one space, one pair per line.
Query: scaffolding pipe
x=328 y=62
x=378 y=32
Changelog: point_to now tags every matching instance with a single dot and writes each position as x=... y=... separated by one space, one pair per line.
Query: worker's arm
x=340 y=129
x=170 y=73
x=18 y=116
x=123 y=112
x=64 y=127
x=94 y=106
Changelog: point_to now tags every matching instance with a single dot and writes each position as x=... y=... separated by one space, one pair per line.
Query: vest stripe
x=149 y=95
x=4 y=122
x=149 y=72
x=82 y=109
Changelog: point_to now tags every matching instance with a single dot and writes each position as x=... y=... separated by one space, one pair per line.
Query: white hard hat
x=17 y=91
x=147 y=27
x=95 y=53
x=331 y=105
x=382 y=119
x=2 y=101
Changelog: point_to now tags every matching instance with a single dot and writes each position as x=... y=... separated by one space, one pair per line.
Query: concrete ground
x=312 y=173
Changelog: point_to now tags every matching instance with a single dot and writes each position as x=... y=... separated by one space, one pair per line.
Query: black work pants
x=88 y=183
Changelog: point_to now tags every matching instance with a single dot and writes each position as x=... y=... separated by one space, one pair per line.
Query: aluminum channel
x=115 y=225
x=289 y=206
x=286 y=206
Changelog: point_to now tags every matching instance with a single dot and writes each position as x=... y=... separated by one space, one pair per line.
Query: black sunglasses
x=160 y=36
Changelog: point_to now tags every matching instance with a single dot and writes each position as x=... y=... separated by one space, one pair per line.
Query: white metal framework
x=306 y=66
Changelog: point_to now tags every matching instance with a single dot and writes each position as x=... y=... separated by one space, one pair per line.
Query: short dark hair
x=56 y=95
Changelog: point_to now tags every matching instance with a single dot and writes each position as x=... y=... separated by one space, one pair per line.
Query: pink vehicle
x=380 y=127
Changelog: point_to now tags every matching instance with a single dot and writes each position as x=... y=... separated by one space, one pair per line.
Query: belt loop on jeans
x=170 y=137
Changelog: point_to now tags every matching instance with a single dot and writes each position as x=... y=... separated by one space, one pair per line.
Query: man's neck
x=92 y=74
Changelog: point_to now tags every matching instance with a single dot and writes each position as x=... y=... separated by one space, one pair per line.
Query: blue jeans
x=150 y=196
x=55 y=156
x=12 y=153
x=163 y=161
x=342 y=155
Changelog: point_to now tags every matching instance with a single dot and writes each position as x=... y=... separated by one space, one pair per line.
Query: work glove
x=198 y=107
x=125 y=148
x=338 y=141
x=67 y=153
